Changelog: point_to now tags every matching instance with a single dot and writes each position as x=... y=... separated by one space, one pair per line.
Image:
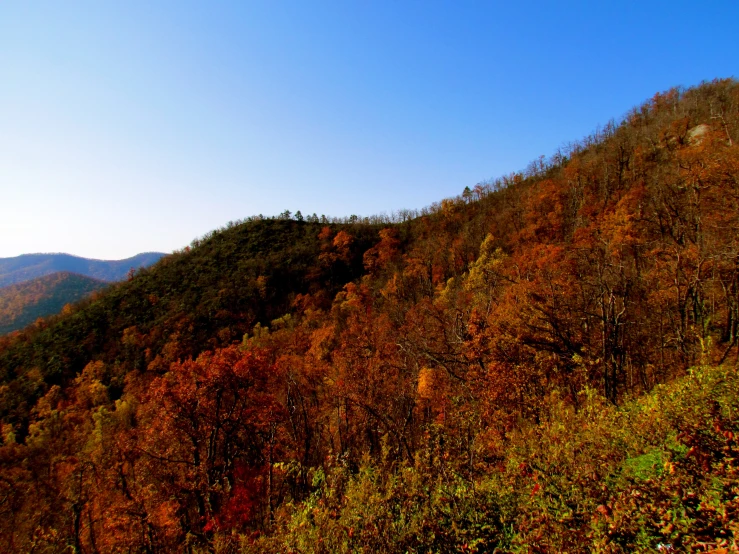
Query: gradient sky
x=137 y=126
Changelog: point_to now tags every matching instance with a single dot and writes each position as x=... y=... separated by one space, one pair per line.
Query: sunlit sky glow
x=139 y=125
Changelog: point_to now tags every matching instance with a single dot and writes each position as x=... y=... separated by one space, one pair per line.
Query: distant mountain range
x=30 y=266
x=22 y=303
x=39 y=285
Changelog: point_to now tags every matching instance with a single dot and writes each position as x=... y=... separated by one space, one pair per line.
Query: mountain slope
x=197 y=299
x=29 y=266
x=21 y=304
x=523 y=368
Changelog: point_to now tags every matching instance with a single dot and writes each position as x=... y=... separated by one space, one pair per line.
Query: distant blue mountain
x=31 y=266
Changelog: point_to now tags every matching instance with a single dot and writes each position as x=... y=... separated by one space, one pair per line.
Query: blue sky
x=138 y=126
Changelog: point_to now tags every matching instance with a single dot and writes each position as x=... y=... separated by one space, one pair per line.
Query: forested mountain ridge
x=545 y=363
x=21 y=304
x=197 y=299
x=30 y=266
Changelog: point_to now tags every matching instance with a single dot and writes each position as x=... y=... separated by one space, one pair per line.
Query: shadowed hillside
x=21 y=304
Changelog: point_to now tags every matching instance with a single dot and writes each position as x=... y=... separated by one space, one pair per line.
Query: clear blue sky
x=135 y=126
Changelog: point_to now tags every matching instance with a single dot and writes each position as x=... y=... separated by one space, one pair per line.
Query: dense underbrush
x=660 y=472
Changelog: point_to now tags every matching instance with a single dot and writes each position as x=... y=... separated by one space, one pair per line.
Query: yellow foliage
x=426 y=379
x=8 y=433
x=485 y=271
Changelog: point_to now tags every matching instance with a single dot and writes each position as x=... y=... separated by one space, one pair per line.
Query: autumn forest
x=546 y=363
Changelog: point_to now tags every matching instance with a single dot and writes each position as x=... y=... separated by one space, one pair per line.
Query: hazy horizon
x=75 y=256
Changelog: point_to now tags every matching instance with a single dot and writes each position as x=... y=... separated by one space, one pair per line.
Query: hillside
x=546 y=363
x=30 y=266
x=23 y=303
x=191 y=301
